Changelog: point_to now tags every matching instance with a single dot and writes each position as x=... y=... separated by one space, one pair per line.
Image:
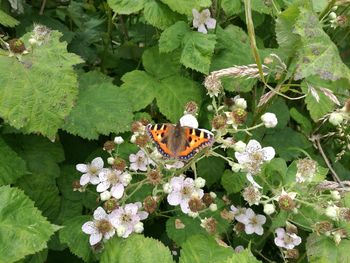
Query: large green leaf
x=12 y=166
x=172 y=37
x=126 y=7
x=173 y=93
x=245 y=256
x=211 y=169
x=200 y=248
x=318 y=55
x=135 y=249
x=7 y=20
x=231 y=7
x=186 y=6
x=233 y=182
x=159 y=15
x=101 y=109
x=198 y=49
x=322 y=249
x=75 y=238
x=23 y=230
x=38 y=92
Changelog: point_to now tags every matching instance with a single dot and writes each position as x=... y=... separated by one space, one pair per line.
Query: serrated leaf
x=211 y=169
x=173 y=93
x=7 y=20
x=68 y=175
x=301 y=120
x=39 y=257
x=260 y=7
x=172 y=37
x=75 y=238
x=22 y=227
x=244 y=256
x=100 y=109
x=139 y=88
x=126 y=7
x=322 y=249
x=37 y=93
x=318 y=55
x=186 y=6
x=160 y=15
x=135 y=249
x=200 y=248
x=280 y=108
x=231 y=7
x=198 y=49
x=12 y=166
x=233 y=182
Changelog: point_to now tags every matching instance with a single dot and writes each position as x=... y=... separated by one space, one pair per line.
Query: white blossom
x=90 y=171
x=285 y=239
x=240 y=102
x=306 y=169
x=126 y=219
x=269 y=119
x=202 y=20
x=237 y=211
x=114 y=179
x=239 y=146
x=253 y=157
x=100 y=228
x=139 y=161
x=336 y=118
x=183 y=189
x=188 y=120
x=106 y=195
x=253 y=222
x=118 y=140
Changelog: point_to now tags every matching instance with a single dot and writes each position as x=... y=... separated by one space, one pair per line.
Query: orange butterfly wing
x=158 y=132
x=196 y=140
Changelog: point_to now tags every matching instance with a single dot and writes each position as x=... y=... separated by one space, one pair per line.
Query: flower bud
x=269 y=209
x=110 y=160
x=239 y=146
x=105 y=195
x=118 y=140
x=133 y=138
x=154 y=177
x=336 y=118
x=193 y=214
x=207 y=199
x=138 y=227
x=235 y=167
x=219 y=122
x=108 y=146
x=191 y=108
x=332 y=15
x=213 y=207
x=335 y=195
x=213 y=195
x=240 y=102
x=332 y=212
x=199 y=182
x=269 y=119
x=167 y=188
x=16 y=46
x=120 y=231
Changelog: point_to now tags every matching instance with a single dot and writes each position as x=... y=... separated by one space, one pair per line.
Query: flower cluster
x=252 y=222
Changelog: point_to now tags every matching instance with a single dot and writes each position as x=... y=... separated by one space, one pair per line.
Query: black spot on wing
x=197 y=132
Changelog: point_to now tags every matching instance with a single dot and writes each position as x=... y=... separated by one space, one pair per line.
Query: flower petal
x=97 y=162
x=252 y=181
x=280 y=232
x=205 y=13
x=243 y=157
x=202 y=29
x=89 y=228
x=95 y=238
x=279 y=242
x=117 y=191
x=195 y=13
x=103 y=186
x=268 y=153
x=94 y=179
x=100 y=213
x=210 y=23
x=259 y=230
x=132 y=158
x=260 y=219
x=174 y=198
x=84 y=179
x=109 y=234
x=184 y=206
x=83 y=168
x=253 y=146
x=142 y=214
x=249 y=229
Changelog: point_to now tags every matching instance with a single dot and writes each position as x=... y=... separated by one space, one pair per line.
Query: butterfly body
x=176 y=141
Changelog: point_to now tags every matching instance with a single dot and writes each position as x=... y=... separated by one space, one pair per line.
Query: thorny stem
x=334 y=174
x=42 y=8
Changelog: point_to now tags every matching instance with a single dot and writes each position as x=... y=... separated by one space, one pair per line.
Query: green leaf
x=12 y=166
x=322 y=249
x=186 y=6
x=301 y=119
x=135 y=249
x=159 y=14
x=139 y=88
x=35 y=96
x=173 y=93
x=160 y=65
x=198 y=49
x=275 y=170
x=280 y=108
x=318 y=55
x=7 y=20
x=244 y=256
x=75 y=238
x=260 y=6
x=233 y=182
x=200 y=248
x=100 y=109
x=231 y=7
x=211 y=169
x=172 y=37
x=22 y=227
x=316 y=108
x=39 y=257
x=126 y=7
x=65 y=182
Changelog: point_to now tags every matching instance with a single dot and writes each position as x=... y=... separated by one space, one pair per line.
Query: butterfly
x=180 y=142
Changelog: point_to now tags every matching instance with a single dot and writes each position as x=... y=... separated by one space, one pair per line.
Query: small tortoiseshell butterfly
x=176 y=141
